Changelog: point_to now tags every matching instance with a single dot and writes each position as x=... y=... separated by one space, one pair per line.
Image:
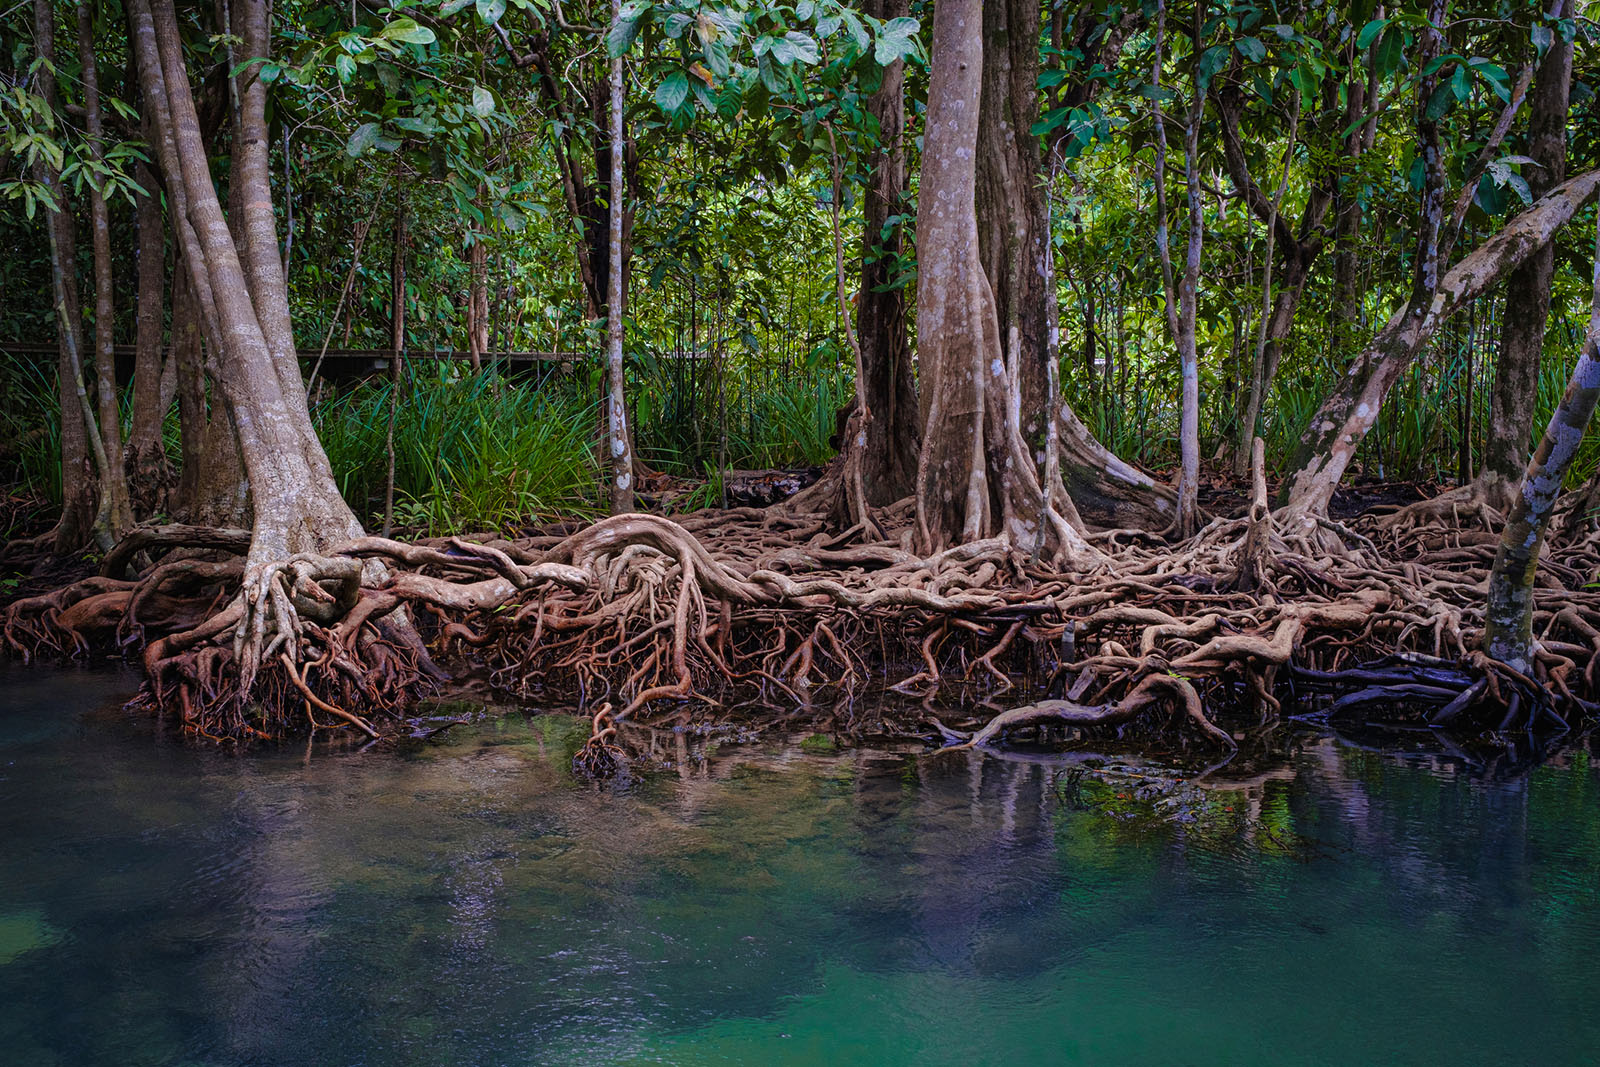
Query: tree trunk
x=1508 y=618
x=889 y=459
x=975 y=477
x=1516 y=379
x=1012 y=213
x=118 y=510
x=296 y=503
x=1181 y=295
x=79 y=490
x=397 y=345
x=1013 y=231
x=149 y=472
x=1344 y=418
x=618 y=439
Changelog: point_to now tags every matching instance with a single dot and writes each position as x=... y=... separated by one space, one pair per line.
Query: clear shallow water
x=471 y=904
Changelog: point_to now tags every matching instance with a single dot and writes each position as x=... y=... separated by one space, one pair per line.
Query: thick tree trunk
x=619 y=442
x=296 y=503
x=1013 y=217
x=1508 y=618
x=975 y=477
x=118 y=509
x=1013 y=231
x=1516 y=379
x=1342 y=422
x=889 y=458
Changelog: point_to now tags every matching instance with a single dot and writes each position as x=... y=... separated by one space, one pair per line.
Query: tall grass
x=472 y=453
x=30 y=430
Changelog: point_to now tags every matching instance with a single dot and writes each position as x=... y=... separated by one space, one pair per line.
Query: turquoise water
x=469 y=903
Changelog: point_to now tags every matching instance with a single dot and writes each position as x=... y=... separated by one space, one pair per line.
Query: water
x=470 y=903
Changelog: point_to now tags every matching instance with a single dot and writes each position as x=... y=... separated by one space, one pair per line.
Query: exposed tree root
x=664 y=624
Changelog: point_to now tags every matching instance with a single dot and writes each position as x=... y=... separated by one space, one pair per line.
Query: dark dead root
x=666 y=625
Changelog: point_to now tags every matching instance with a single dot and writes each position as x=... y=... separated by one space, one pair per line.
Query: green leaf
x=482 y=102
x=621 y=35
x=407 y=31
x=491 y=10
x=1369 y=32
x=1211 y=61
x=452 y=6
x=897 y=40
x=672 y=93
x=364 y=137
x=805 y=49
x=345 y=66
x=1389 y=54
x=1252 y=49
x=1440 y=103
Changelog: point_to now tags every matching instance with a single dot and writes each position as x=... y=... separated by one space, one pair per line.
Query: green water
x=469 y=903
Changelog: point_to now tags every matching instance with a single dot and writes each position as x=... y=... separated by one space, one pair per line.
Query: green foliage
x=472 y=453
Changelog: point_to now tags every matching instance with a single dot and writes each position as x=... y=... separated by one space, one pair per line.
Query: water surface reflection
x=470 y=903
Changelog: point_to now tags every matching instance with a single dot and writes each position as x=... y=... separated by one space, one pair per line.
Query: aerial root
x=662 y=622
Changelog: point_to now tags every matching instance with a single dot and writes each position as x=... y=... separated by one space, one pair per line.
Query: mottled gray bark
x=1527 y=306
x=889 y=457
x=618 y=439
x=975 y=477
x=116 y=507
x=296 y=503
x=1508 y=617
x=79 y=487
x=1350 y=411
x=149 y=471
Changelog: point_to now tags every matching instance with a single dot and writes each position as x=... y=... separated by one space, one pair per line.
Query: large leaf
x=672 y=93
x=364 y=137
x=407 y=31
x=482 y=102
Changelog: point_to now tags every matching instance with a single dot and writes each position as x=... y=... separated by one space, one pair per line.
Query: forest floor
x=753 y=619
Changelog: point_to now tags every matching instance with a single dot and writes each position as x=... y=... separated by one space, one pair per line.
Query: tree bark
x=1182 y=295
x=1344 y=418
x=79 y=490
x=117 y=508
x=619 y=440
x=975 y=477
x=1527 y=307
x=1013 y=236
x=397 y=345
x=296 y=503
x=889 y=458
x=1508 y=617
x=149 y=471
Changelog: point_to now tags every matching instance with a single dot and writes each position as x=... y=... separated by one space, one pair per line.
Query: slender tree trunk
x=149 y=472
x=397 y=345
x=1508 y=618
x=113 y=472
x=1256 y=391
x=619 y=440
x=1516 y=379
x=1351 y=409
x=79 y=489
x=1181 y=295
